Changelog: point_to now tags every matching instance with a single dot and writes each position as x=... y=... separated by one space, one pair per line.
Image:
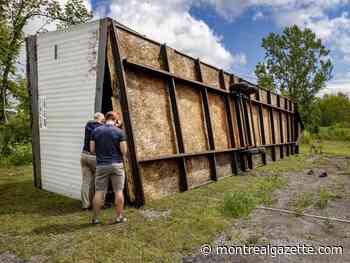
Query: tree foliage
x=335 y=109
x=296 y=64
x=14 y=15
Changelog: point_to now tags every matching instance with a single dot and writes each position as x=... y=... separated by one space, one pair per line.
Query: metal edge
x=101 y=63
x=32 y=86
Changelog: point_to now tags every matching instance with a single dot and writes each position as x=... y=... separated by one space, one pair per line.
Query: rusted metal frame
x=246 y=120
x=288 y=134
x=101 y=62
x=272 y=126
x=292 y=115
x=176 y=123
x=136 y=173
x=252 y=121
x=163 y=73
x=261 y=119
x=281 y=125
x=248 y=130
x=240 y=124
x=186 y=155
x=209 y=126
x=32 y=86
x=271 y=106
x=296 y=129
x=278 y=144
x=234 y=164
x=292 y=132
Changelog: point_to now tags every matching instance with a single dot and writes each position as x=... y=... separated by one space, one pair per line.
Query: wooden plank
x=138 y=184
x=218 y=116
x=160 y=178
x=139 y=50
x=152 y=96
x=32 y=85
x=192 y=118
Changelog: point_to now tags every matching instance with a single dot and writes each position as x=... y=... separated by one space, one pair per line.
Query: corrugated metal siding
x=69 y=85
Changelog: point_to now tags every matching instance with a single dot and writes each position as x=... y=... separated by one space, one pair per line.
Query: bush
x=239 y=203
x=307 y=137
x=21 y=154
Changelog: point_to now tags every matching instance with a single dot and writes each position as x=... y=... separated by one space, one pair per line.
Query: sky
x=228 y=33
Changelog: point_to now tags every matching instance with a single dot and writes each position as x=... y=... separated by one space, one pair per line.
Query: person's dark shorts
x=115 y=172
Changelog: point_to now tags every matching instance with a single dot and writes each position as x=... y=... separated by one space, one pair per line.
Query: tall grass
x=332 y=133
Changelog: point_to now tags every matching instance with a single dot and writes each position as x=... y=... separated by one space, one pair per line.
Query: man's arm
x=92 y=147
x=123 y=148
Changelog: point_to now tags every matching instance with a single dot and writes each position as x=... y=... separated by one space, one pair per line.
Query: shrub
x=324 y=197
x=21 y=154
x=239 y=203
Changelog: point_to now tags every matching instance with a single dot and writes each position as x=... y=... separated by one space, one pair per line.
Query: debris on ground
x=151 y=214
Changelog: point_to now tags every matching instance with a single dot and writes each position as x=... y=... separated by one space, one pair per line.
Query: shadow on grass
x=60 y=228
x=20 y=196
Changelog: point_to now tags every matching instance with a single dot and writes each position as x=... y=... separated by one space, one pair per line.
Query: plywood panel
x=191 y=118
x=263 y=95
x=219 y=121
x=198 y=170
x=150 y=115
x=223 y=163
x=234 y=122
x=210 y=76
x=250 y=123
x=257 y=128
x=139 y=50
x=267 y=125
x=277 y=126
x=227 y=79
x=160 y=178
x=273 y=99
x=284 y=126
x=181 y=65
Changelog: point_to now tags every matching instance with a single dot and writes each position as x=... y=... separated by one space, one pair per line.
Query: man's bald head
x=99 y=117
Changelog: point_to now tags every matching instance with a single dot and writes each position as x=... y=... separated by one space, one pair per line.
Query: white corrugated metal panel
x=67 y=86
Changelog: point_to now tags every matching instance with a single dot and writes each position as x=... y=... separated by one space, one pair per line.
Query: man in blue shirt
x=109 y=143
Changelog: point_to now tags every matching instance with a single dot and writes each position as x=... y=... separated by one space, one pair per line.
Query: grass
x=36 y=222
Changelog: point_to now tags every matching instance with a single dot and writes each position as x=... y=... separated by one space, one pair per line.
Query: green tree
x=297 y=65
x=335 y=109
x=14 y=15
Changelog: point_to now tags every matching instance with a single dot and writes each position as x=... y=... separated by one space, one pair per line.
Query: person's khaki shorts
x=115 y=172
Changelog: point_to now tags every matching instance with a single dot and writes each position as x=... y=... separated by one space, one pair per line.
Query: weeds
x=303 y=201
x=240 y=203
x=325 y=196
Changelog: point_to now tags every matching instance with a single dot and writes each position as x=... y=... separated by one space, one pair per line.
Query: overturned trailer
x=187 y=123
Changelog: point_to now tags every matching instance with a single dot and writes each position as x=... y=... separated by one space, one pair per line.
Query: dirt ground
x=264 y=227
